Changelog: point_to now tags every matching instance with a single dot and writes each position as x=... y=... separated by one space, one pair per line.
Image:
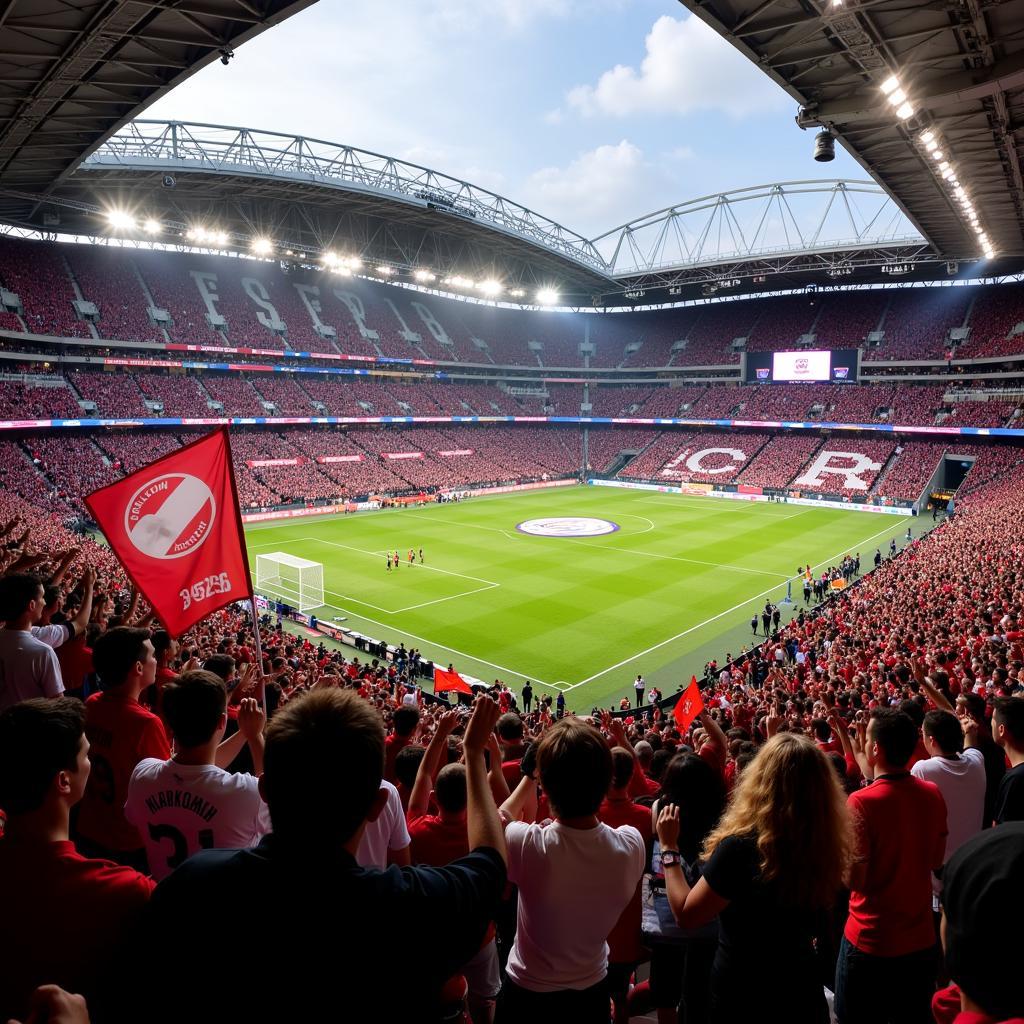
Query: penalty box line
x=487 y=584
x=728 y=611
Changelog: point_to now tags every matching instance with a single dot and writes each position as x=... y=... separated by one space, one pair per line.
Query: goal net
x=297 y=581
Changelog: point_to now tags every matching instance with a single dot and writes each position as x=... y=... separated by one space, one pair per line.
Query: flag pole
x=261 y=688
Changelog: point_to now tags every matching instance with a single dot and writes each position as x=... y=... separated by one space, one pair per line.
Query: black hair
x=944 y=727
x=16 y=591
x=194 y=704
x=894 y=731
x=116 y=652
x=38 y=739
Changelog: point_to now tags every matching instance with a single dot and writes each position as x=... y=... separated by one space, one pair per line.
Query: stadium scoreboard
x=807 y=366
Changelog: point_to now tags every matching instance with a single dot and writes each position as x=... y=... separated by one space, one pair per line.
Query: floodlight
x=342 y=271
x=904 y=111
x=329 y=258
x=196 y=234
x=152 y=227
x=547 y=296
x=517 y=293
x=120 y=220
x=491 y=287
x=423 y=276
x=896 y=97
x=891 y=83
x=219 y=237
x=927 y=137
x=938 y=155
x=354 y=262
x=261 y=246
x=383 y=271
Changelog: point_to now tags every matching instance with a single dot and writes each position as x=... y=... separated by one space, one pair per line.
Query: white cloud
x=599 y=189
x=687 y=68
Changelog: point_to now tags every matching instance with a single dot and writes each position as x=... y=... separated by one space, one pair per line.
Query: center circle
x=567 y=526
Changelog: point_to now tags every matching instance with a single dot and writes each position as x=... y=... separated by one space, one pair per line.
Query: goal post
x=298 y=581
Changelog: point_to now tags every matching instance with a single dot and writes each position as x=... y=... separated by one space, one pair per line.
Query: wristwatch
x=671 y=858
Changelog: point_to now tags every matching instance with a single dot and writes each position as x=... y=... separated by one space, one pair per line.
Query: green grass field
x=673 y=586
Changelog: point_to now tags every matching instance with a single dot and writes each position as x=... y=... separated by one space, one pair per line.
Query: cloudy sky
x=592 y=112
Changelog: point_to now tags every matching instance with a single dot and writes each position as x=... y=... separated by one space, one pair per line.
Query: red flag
x=689 y=706
x=176 y=528
x=450 y=681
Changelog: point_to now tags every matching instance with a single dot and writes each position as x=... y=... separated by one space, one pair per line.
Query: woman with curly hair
x=774 y=865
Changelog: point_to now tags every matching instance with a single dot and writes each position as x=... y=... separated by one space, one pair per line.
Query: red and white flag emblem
x=176 y=528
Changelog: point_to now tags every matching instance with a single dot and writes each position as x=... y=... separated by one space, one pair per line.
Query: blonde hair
x=789 y=799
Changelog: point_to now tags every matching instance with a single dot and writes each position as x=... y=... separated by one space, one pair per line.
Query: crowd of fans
x=121 y=394
x=853 y=786
x=374 y=319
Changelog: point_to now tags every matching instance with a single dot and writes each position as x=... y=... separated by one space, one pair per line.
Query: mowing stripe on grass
x=728 y=611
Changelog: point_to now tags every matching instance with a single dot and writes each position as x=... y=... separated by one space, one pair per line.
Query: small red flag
x=689 y=706
x=176 y=528
x=444 y=680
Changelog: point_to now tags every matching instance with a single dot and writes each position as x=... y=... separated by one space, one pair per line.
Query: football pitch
x=575 y=588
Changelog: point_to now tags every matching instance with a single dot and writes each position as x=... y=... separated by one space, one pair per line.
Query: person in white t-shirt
x=187 y=804
x=29 y=668
x=575 y=876
x=960 y=776
x=639 y=685
x=386 y=838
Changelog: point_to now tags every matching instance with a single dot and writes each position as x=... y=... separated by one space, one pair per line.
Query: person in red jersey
x=624 y=948
x=121 y=733
x=439 y=839
x=405 y=721
x=510 y=736
x=68 y=918
x=888 y=956
x=981 y=893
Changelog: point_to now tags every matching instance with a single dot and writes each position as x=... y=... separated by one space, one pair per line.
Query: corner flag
x=176 y=529
x=689 y=706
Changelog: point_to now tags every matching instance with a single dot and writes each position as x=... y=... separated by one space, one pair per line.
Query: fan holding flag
x=176 y=528
x=689 y=706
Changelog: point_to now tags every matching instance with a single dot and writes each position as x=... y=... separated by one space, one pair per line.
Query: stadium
x=740 y=478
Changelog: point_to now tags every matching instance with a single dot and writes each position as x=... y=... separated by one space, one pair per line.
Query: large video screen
x=797 y=366
x=804 y=367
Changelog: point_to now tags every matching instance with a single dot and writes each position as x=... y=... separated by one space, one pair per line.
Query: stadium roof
x=71 y=74
x=306 y=198
x=913 y=89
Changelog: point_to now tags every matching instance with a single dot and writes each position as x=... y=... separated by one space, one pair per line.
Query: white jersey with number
x=180 y=809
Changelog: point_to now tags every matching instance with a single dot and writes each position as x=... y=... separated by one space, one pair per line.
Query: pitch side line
x=728 y=611
x=453 y=650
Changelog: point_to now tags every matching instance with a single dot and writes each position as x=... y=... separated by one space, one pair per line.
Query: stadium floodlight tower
x=297 y=581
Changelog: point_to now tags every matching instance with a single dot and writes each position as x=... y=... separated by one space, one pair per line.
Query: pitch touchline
x=728 y=611
x=453 y=650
